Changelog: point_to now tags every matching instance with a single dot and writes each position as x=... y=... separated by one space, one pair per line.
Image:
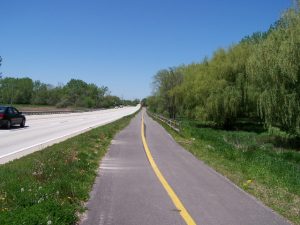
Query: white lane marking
x=36 y=145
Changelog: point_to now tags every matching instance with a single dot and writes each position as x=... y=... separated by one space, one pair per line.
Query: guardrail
x=56 y=112
x=171 y=123
x=61 y=111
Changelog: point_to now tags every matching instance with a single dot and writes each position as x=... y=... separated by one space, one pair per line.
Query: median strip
x=51 y=186
x=175 y=199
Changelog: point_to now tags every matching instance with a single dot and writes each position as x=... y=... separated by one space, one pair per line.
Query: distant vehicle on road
x=10 y=116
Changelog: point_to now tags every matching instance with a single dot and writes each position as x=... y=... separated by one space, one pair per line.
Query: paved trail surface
x=128 y=192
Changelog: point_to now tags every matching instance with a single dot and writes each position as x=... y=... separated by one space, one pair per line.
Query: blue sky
x=121 y=43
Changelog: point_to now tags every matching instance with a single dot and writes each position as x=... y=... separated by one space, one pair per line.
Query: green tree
x=40 y=93
x=16 y=90
x=164 y=83
x=275 y=70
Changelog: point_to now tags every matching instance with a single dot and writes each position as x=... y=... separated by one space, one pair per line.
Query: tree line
x=76 y=93
x=258 y=79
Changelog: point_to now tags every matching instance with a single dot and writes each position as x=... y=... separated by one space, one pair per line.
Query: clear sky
x=121 y=43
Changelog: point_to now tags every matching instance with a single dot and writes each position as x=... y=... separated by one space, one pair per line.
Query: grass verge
x=51 y=186
x=251 y=161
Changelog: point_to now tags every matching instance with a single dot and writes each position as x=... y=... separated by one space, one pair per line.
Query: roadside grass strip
x=250 y=160
x=52 y=185
x=175 y=199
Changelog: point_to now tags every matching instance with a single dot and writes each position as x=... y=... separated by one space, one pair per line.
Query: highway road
x=44 y=130
x=146 y=178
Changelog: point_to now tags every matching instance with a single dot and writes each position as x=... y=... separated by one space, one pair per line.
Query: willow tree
x=261 y=72
x=227 y=96
x=275 y=69
x=192 y=93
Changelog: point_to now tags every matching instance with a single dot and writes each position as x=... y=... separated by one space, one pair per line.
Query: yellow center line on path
x=178 y=204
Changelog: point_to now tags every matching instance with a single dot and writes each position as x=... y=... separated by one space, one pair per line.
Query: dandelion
x=247 y=183
x=22 y=189
x=40 y=187
x=49 y=222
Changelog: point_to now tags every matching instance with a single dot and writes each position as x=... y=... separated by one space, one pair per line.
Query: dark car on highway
x=10 y=116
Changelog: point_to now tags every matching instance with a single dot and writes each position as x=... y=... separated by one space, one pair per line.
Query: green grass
x=53 y=184
x=251 y=160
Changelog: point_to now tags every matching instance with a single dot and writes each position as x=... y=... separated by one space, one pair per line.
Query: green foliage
x=16 y=90
x=76 y=93
x=111 y=100
x=256 y=78
x=164 y=83
x=130 y=102
x=40 y=93
x=275 y=71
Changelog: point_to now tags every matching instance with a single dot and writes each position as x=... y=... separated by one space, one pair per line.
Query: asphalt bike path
x=166 y=185
x=127 y=192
